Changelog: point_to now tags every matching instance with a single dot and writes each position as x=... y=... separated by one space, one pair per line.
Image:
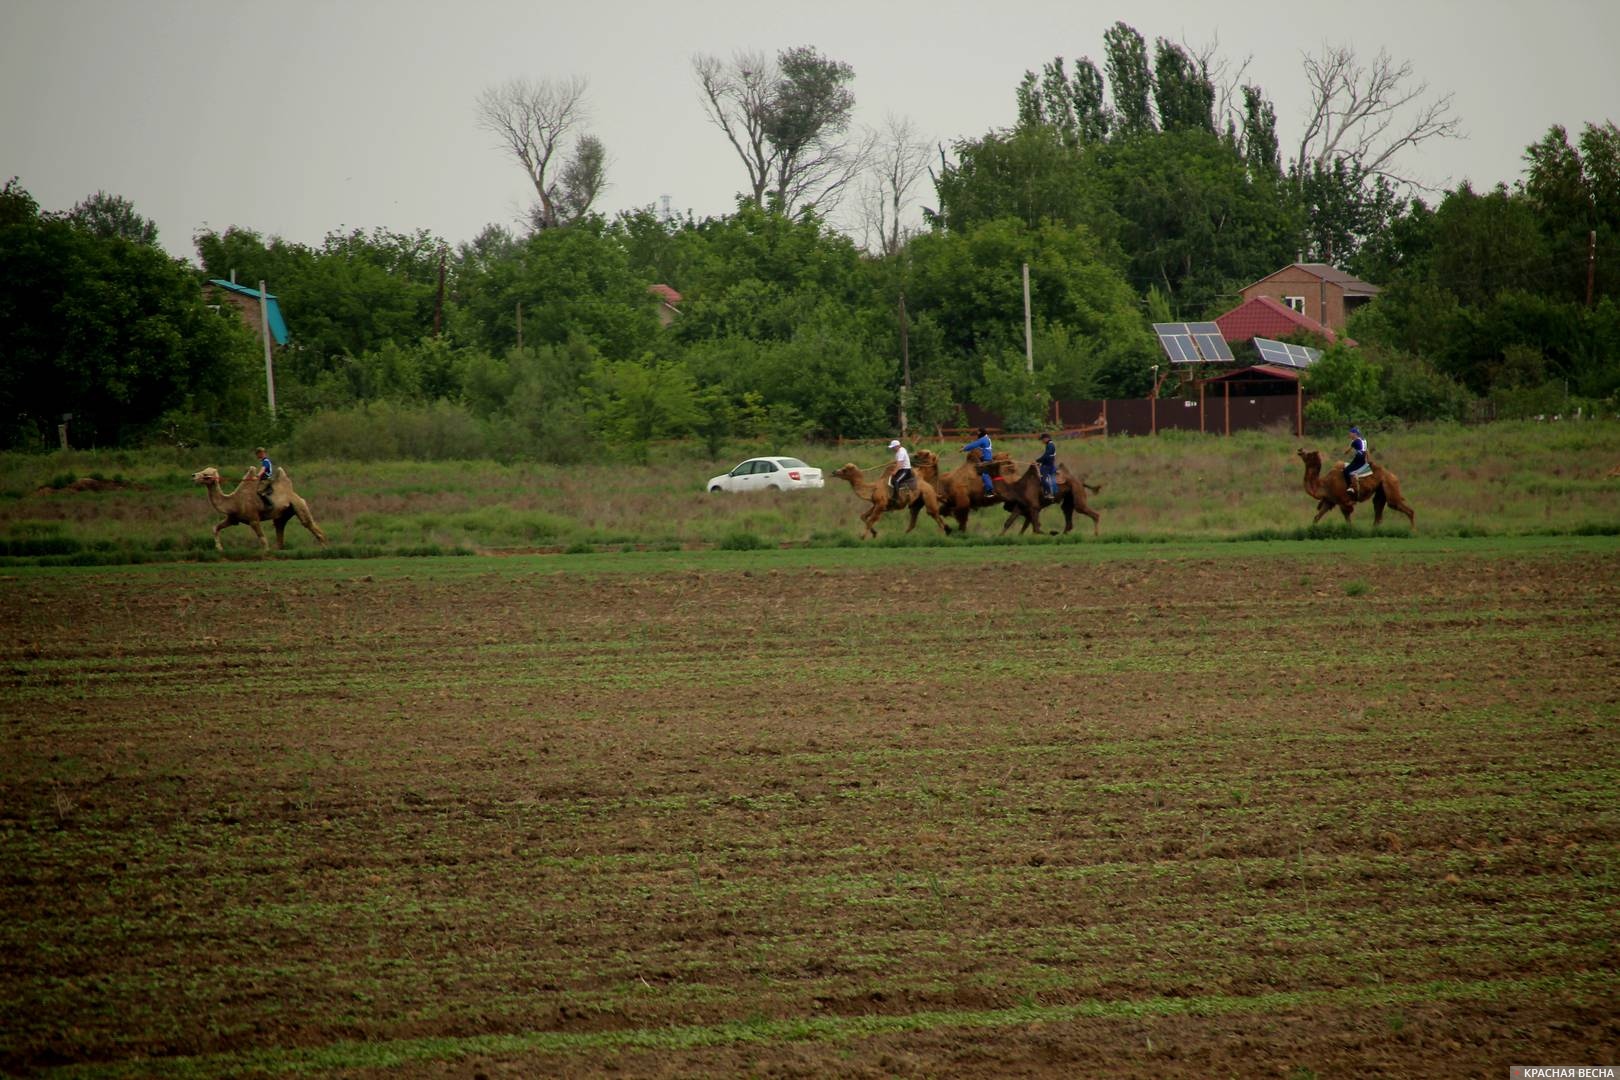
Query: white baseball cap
x=893 y=443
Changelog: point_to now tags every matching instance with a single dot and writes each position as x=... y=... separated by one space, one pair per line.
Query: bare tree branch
x=785 y=118
x=532 y=119
x=737 y=99
x=898 y=160
x=1369 y=115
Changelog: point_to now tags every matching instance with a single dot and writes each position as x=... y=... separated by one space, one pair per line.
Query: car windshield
x=792 y=463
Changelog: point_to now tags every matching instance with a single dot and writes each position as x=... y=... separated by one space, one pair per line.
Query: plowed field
x=1338 y=810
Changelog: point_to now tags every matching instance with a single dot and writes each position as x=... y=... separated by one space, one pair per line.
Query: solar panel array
x=1193 y=343
x=1285 y=355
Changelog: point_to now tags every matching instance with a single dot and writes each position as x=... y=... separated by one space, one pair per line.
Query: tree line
x=1149 y=187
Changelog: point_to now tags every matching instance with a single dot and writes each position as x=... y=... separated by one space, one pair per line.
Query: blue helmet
x=1355 y=430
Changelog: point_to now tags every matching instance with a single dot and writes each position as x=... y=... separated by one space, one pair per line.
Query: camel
x=960 y=490
x=883 y=498
x=1025 y=499
x=243 y=506
x=1382 y=486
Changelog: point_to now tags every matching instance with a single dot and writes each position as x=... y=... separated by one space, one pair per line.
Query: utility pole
x=1029 y=338
x=269 y=367
x=905 y=362
x=1591 y=264
x=438 y=301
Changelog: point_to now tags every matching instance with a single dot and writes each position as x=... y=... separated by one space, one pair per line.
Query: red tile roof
x=667 y=294
x=1267 y=318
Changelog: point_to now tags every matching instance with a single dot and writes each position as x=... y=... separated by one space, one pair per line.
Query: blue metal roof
x=278 y=325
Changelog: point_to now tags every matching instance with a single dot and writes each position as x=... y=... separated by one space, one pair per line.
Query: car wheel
x=774 y=487
x=714 y=489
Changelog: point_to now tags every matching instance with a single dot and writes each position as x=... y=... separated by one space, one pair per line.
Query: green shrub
x=741 y=541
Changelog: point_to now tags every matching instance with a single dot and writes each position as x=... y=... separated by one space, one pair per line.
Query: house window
x=1295 y=302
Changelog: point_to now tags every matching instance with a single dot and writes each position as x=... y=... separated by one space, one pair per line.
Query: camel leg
x=1378 y=501
x=217 y=528
x=257 y=531
x=1322 y=508
x=1096 y=520
x=307 y=520
x=1411 y=515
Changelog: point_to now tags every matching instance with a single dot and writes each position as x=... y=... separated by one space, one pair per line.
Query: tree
x=1131 y=79
x=899 y=159
x=112 y=331
x=533 y=120
x=1258 y=143
x=1073 y=105
x=1185 y=210
x=1370 y=115
x=786 y=118
x=571 y=283
x=1182 y=90
x=358 y=291
x=1029 y=173
x=109 y=216
x=1345 y=209
x=1576 y=192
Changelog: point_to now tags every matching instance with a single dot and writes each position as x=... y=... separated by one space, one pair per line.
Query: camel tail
x=1093 y=488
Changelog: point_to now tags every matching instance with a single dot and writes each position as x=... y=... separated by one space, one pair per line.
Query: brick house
x=220 y=292
x=1315 y=290
x=668 y=303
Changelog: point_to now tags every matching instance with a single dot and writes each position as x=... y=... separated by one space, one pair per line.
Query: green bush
x=385 y=430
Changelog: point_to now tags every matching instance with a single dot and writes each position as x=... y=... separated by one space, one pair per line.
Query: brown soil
x=1235 y=818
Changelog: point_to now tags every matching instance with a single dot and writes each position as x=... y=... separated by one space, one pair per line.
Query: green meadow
x=1507 y=479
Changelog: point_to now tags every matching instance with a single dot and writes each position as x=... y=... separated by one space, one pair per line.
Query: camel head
x=925 y=459
x=1310 y=457
x=847 y=471
x=208 y=477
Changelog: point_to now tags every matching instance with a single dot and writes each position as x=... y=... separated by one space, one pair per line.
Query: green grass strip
x=393 y=1053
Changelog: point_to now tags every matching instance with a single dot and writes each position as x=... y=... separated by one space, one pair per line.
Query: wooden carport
x=1258 y=381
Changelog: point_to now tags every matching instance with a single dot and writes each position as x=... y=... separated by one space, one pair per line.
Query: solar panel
x=1211 y=342
x=1177 y=342
x=1286 y=355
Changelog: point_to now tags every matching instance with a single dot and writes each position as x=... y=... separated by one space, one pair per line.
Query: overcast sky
x=300 y=117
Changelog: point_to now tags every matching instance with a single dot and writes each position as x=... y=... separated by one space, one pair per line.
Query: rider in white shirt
x=902 y=466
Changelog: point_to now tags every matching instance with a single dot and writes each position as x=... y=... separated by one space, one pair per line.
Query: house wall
x=246 y=306
x=1294 y=281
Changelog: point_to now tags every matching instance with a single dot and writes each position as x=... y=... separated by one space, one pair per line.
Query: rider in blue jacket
x=1048 y=463
x=1358 y=458
x=982 y=445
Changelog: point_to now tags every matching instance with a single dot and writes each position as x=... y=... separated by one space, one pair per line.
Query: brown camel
x=960 y=490
x=1023 y=499
x=1382 y=486
x=1025 y=502
x=884 y=498
x=243 y=506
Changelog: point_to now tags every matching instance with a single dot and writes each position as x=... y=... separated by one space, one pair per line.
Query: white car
x=768 y=474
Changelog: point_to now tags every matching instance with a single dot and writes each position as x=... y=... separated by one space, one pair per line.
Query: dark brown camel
x=884 y=498
x=1018 y=498
x=1382 y=486
x=1023 y=499
x=960 y=490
